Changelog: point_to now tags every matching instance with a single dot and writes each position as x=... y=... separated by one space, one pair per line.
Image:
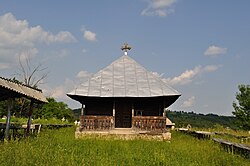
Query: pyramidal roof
x=124 y=78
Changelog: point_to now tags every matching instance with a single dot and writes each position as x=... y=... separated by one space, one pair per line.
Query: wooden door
x=123 y=115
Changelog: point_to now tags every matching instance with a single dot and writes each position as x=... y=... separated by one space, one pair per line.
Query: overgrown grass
x=21 y=121
x=59 y=147
x=228 y=134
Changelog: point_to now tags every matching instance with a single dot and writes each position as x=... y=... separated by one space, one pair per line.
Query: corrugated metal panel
x=22 y=90
x=124 y=78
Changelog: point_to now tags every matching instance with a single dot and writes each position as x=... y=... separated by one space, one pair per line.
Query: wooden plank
x=234 y=148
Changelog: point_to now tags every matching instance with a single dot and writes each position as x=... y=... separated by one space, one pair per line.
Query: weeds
x=59 y=147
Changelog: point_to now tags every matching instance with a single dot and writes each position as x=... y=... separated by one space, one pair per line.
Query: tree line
x=183 y=119
x=52 y=109
x=240 y=120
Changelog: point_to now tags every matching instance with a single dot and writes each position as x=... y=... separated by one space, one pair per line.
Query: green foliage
x=23 y=121
x=77 y=113
x=242 y=108
x=218 y=127
x=50 y=110
x=53 y=109
x=3 y=108
x=182 y=119
x=20 y=107
x=50 y=121
x=59 y=147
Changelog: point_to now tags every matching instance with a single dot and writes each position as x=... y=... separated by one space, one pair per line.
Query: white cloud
x=84 y=50
x=157 y=74
x=185 y=77
x=27 y=54
x=60 y=91
x=211 y=68
x=63 y=36
x=4 y=66
x=63 y=53
x=189 y=75
x=83 y=74
x=18 y=38
x=189 y=102
x=90 y=36
x=159 y=8
x=15 y=32
x=215 y=51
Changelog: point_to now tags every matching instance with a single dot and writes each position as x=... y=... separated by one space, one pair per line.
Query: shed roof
x=124 y=78
x=9 y=88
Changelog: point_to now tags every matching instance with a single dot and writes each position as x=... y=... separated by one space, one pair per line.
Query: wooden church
x=124 y=95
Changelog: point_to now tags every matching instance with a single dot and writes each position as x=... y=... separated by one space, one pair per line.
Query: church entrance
x=123 y=115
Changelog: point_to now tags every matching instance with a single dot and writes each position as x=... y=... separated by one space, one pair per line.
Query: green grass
x=233 y=139
x=232 y=134
x=21 y=121
x=59 y=147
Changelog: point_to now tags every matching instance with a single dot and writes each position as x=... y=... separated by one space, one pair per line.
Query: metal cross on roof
x=125 y=48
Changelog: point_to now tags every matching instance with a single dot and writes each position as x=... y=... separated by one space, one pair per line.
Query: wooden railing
x=89 y=122
x=150 y=123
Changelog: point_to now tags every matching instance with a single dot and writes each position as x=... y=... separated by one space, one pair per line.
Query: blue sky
x=201 y=48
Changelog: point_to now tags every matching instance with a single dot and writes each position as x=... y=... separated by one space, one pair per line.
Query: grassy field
x=228 y=134
x=20 y=121
x=59 y=147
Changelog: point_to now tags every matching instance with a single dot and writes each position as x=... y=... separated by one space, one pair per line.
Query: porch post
x=82 y=121
x=82 y=109
x=29 y=122
x=7 y=130
x=164 y=113
x=113 y=115
x=133 y=113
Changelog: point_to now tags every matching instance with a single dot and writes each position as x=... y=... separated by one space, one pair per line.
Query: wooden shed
x=9 y=90
x=124 y=95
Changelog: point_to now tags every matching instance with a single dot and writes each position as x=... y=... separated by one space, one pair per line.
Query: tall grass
x=236 y=136
x=20 y=121
x=59 y=147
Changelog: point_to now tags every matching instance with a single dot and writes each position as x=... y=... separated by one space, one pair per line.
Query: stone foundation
x=118 y=134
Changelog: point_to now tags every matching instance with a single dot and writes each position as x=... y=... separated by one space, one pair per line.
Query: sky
x=200 y=48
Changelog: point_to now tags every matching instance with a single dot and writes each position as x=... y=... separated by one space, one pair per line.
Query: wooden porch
x=139 y=123
x=149 y=123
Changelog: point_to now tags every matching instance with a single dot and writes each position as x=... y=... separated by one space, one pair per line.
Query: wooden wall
x=99 y=107
x=104 y=106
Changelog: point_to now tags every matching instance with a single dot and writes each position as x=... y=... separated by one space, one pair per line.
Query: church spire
x=125 y=48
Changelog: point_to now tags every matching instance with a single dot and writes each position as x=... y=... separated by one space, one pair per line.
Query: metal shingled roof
x=124 y=78
x=12 y=89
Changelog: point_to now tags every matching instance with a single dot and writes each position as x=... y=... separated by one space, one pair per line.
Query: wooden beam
x=7 y=130
x=164 y=109
x=29 y=122
x=113 y=114
x=133 y=113
x=82 y=109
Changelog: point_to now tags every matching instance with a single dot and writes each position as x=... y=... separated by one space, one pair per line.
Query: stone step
x=122 y=131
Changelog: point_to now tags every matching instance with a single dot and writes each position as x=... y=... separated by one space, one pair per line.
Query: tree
x=31 y=76
x=242 y=107
x=54 y=109
x=3 y=108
